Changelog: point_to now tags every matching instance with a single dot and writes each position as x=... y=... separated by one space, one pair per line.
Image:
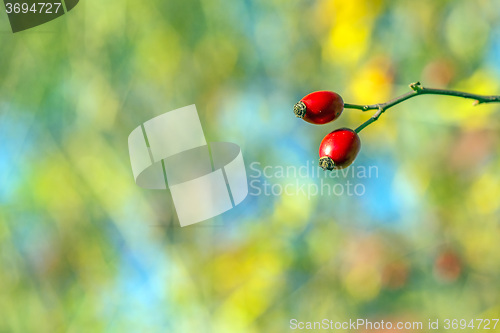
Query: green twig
x=417 y=90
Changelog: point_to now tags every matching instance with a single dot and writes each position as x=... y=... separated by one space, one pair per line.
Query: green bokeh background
x=83 y=249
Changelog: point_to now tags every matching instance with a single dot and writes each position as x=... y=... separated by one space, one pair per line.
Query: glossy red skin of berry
x=322 y=107
x=342 y=146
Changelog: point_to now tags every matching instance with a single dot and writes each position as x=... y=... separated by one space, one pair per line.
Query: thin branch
x=417 y=90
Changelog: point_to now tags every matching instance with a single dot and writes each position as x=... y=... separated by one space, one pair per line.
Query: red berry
x=319 y=107
x=339 y=149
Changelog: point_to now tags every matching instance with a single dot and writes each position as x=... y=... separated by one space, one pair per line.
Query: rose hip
x=339 y=149
x=319 y=107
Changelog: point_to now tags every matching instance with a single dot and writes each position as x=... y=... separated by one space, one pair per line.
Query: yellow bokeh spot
x=363 y=282
x=244 y=305
x=372 y=83
x=159 y=53
x=293 y=211
x=478 y=247
x=483 y=191
x=350 y=34
x=462 y=111
x=347 y=44
x=236 y=268
x=54 y=180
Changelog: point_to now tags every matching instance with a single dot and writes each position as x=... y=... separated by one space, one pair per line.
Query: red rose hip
x=319 y=107
x=339 y=149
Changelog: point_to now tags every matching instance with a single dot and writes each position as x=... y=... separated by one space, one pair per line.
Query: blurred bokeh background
x=83 y=249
